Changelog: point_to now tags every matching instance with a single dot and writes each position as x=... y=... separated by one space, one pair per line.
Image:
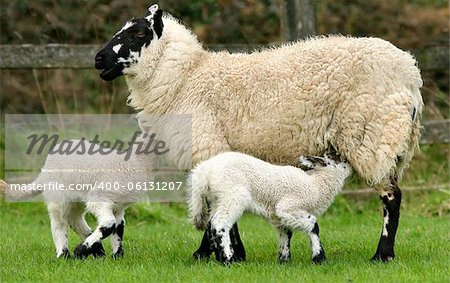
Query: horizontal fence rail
x=68 y=56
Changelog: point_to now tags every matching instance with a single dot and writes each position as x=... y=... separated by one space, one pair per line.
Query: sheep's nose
x=99 y=60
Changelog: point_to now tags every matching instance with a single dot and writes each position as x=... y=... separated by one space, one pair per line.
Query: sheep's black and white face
x=124 y=49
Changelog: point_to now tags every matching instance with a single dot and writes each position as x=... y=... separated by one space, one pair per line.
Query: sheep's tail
x=16 y=194
x=198 y=205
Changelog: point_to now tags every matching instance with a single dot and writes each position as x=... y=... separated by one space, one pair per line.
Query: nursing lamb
x=228 y=184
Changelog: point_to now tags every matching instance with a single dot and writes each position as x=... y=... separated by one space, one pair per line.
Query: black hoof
x=284 y=258
x=118 y=254
x=81 y=252
x=200 y=256
x=239 y=255
x=237 y=258
x=65 y=254
x=320 y=258
x=378 y=257
x=223 y=259
x=97 y=250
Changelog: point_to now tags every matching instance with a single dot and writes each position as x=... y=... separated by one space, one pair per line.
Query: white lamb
x=96 y=172
x=228 y=184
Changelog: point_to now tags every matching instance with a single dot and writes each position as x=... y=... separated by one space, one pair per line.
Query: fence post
x=297 y=19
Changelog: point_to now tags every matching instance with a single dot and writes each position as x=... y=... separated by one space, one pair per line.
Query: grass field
x=159 y=242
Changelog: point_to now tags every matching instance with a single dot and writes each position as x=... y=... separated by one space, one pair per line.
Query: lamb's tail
x=13 y=193
x=198 y=205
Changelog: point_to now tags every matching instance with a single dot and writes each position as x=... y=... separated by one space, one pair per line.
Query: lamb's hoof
x=284 y=258
x=238 y=255
x=64 y=254
x=81 y=251
x=320 y=258
x=223 y=259
x=97 y=250
x=378 y=257
x=200 y=256
x=118 y=254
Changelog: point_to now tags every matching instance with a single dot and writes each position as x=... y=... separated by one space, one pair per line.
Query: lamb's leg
x=391 y=200
x=284 y=246
x=77 y=221
x=224 y=216
x=206 y=246
x=59 y=229
x=293 y=218
x=117 y=235
x=80 y=226
x=106 y=225
x=236 y=242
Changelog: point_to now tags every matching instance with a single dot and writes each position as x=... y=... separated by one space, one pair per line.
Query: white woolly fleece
x=356 y=94
x=231 y=183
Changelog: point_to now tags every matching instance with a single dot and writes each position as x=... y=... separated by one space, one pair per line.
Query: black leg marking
x=219 y=250
x=391 y=212
x=284 y=250
x=120 y=229
x=97 y=250
x=317 y=248
x=107 y=230
x=81 y=251
x=65 y=253
x=238 y=246
x=206 y=246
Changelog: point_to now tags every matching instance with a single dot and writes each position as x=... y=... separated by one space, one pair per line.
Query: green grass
x=159 y=242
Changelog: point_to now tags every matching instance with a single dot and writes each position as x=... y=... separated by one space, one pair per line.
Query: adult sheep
x=359 y=95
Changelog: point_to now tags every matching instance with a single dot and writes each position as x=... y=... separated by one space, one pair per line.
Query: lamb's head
x=124 y=49
x=330 y=161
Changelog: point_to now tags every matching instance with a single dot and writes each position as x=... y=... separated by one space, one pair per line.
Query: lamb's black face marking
x=124 y=49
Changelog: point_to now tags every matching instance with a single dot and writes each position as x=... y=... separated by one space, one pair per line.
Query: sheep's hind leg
x=58 y=224
x=106 y=225
x=117 y=235
x=298 y=219
x=391 y=200
x=284 y=246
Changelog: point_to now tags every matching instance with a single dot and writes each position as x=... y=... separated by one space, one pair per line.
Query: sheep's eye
x=140 y=34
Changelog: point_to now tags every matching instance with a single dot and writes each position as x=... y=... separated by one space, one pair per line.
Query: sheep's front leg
x=284 y=246
x=106 y=225
x=391 y=200
x=117 y=235
x=58 y=224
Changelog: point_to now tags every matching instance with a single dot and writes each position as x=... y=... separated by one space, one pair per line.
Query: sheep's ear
x=154 y=16
x=151 y=10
